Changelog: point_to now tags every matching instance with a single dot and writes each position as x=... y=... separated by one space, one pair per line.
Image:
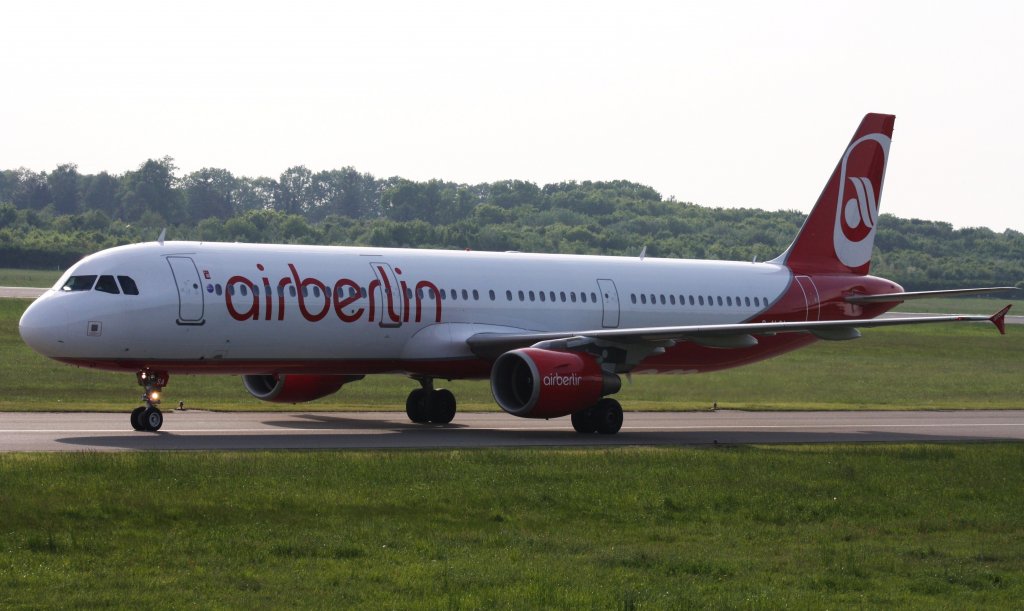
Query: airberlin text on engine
x=386 y=299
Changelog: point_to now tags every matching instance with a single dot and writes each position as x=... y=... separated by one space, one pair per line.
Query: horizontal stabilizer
x=899 y=297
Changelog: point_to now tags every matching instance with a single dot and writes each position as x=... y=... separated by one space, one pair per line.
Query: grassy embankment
x=800 y=526
x=929 y=366
x=28 y=277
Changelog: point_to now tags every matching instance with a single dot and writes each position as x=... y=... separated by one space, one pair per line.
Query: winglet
x=999 y=319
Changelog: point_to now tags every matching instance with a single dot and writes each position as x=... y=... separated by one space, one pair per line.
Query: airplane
x=553 y=333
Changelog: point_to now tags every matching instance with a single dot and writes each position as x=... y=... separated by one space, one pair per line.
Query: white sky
x=718 y=103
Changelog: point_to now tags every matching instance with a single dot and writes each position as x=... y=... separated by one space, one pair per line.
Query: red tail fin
x=839 y=233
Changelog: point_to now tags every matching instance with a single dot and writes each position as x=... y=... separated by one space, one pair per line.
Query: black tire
x=152 y=419
x=608 y=416
x=442 y=406
x=416 y=406
x=137 y=418
x=583 y=421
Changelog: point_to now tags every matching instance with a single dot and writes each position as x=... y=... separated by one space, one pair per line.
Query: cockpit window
x=107 y=285
x=128 y=285
x=79 y=283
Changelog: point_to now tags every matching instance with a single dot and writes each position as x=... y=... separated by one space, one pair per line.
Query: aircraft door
x=389 y=290
x=811 y=298
x=190 y=290
x=609 y=303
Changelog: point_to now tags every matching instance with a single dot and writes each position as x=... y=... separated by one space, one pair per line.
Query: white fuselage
x=379 y=307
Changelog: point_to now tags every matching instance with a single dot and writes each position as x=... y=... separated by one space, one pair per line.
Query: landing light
x=154 y=396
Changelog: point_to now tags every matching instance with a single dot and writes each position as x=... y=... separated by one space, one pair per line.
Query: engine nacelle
x=294 y=388
x=538 y=383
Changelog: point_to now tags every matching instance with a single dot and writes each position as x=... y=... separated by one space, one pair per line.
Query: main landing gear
x=604 y=417
x=429 y=405
x=148 y=417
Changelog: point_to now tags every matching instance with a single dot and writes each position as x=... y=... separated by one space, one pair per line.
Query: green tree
x=152 y=188
x=208 y=193
x=64 y=188
x=100 y=192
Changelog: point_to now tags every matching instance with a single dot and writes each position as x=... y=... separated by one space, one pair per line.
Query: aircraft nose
x=44 y=326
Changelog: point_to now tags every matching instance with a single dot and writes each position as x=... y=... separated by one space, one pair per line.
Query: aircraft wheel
x=137 y=418
x=152 y=419
x=442 y=406
x=608 y=416
x=583 y=421
x=416 y=406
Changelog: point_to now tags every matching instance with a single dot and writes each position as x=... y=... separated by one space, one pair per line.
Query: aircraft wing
x=740 y=335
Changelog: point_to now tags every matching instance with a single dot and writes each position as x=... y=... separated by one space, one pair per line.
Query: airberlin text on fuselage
x=399 y=304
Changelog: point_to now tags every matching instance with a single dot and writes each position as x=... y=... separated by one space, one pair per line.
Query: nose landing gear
x=148 y=417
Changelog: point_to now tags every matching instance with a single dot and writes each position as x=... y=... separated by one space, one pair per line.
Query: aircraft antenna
x=643 y=252
x=163 y=234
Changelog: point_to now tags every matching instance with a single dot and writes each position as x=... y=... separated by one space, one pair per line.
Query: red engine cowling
x=538 y=383
x=294 y=388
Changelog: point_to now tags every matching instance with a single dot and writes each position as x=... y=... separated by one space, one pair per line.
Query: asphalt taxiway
x=203 y=430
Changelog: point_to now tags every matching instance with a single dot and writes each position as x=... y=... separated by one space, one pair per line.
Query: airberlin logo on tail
x=859 y=212
x=860 y=183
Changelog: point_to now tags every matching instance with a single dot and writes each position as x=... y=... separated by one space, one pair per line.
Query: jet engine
x=539 y=383
x=294 y=388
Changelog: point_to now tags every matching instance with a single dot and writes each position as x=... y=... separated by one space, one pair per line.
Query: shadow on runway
x=321 y=422
x=449 y=437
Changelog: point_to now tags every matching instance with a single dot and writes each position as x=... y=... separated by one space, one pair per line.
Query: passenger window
x=572 y=296
x=562 y=295
x=632 y=297
x=79 y=283
x=106 y=284
x=672 y=299
x=444 y=295
x=532 y=296
x=521 y=297
x=747 y=300
x=128 y=286
x=691 y=299
x=728 y=301
x=700 y=299
x=662 y=300
x=719 y=300
x=220 y=290
x=593 y=297
x=243 y=290
x=542 y=298
x=583 y=297
x=551 y=295
x=465 y=294
x=643 y=299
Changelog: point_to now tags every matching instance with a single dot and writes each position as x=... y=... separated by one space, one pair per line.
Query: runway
x=202 y=430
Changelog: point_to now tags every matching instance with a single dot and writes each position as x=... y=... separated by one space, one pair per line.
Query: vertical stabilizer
x=839 y=233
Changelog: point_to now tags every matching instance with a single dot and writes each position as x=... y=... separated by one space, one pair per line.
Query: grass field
x=733 y=527
x=928 y=366
x=28 y=277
